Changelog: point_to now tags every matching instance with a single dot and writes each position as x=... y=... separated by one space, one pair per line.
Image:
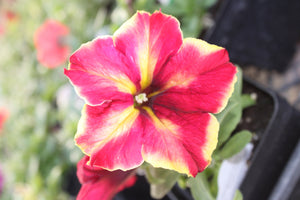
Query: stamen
x=141 y=98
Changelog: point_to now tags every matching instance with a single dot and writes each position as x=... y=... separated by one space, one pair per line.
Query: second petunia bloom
x=149 y=96
x=99 y=184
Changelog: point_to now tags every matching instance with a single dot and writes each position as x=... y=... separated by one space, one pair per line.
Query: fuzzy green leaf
x=238 y=195
x=235 y=144
x=161 y=180
x=247 y=101
x=199 y=187
x=231 y=115
x=209 y=3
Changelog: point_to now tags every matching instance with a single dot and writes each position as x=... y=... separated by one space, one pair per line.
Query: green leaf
x=182 y=181
x=238 y=195
x=214 y=180
x=209 y=3
x=161 y=180
x=235 y=144
x=231 y=115
x=247 y=101
x=199 y=187
x=239 y=83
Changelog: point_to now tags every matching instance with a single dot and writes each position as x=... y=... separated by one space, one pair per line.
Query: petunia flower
x=3 y=116
x=100 y=184
x=149 y=96
x=50 y=42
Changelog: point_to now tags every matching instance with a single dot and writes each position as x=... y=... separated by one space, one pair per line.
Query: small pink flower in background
x=6 y=17
x=50 y=42
x=100 y=184
x=149 y=96
x=10 y=15
x=3 y=116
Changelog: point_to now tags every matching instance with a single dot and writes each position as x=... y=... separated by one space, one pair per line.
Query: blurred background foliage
x=37 y=151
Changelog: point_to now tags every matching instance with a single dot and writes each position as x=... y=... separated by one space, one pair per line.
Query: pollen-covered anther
x=141 y=98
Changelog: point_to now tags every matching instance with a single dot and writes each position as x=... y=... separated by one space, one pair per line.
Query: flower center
x=141 y=98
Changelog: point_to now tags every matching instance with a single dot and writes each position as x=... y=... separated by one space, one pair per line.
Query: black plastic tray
x=274 y=146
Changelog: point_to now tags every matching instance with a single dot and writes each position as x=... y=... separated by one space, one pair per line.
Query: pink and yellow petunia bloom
x=49 y=40
x=149 y=96
x=100 y=184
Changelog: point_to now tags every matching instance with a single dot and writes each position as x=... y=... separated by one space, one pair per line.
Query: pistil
x=141 y=98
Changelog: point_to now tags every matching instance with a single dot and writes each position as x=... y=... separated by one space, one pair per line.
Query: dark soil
x=256 y=118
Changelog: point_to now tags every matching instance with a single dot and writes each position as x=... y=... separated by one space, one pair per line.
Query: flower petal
x=100 y=73
x=199 y=77
x=111 y=135
x=101 y=184
x=85 y=173
x=179 y=141
x=149 y=40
